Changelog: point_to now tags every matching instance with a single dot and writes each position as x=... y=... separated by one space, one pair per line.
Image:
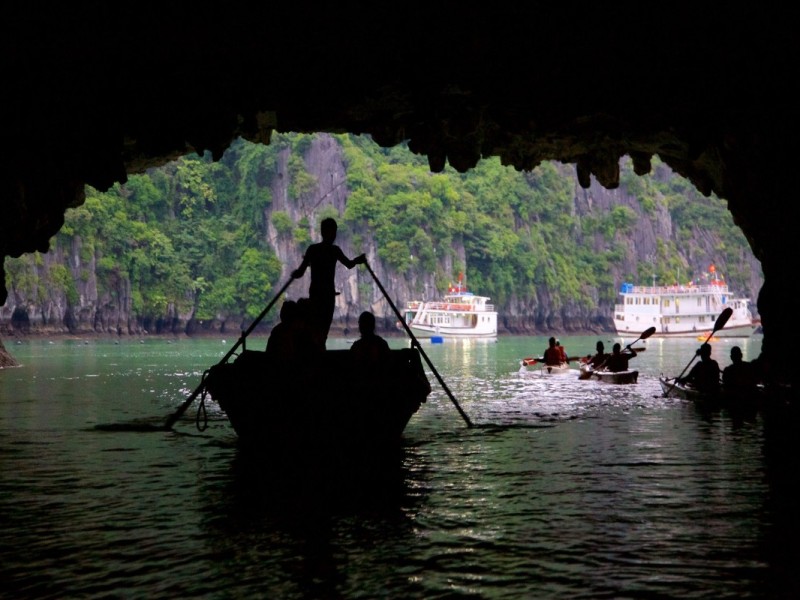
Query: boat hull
x=325 y=409
x=460 y=314
x=682 y=311
x=724 y=398
x=538 y=367
x=618 y=378
x=735 y=331
x=455 y=332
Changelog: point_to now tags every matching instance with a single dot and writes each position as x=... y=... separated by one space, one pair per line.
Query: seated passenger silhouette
x=281 y=342
x=370 y=350
x=306 y=342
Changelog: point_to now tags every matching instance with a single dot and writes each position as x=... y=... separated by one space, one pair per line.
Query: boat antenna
x=419 y=347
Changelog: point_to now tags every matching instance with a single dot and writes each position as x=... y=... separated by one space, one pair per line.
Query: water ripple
x=561 y=489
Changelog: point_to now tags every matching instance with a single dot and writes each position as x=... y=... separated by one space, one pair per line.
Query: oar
x=182 y=408
x=419 y=347
x=719 y=324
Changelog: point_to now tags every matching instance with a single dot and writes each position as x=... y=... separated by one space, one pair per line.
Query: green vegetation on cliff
x=200 y=237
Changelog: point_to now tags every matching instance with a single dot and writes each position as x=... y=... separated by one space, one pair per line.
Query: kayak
x=723 y=397
x=534 y=364
x=618 y=377
x=561 y=369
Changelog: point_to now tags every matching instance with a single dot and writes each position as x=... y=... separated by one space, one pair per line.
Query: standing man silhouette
x=322 y=258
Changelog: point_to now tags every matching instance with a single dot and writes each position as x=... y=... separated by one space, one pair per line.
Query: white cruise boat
x=460 y=314
x=689 y=310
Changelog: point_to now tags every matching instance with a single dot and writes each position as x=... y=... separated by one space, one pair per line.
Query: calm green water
x=563 y=489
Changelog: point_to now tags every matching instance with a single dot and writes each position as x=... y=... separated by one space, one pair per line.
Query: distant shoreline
x=7 y=334
x=258 y=334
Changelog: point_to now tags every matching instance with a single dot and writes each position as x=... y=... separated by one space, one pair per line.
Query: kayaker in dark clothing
x=600 y=356
x=704 y=376
x=739 y=375
x=618 y=361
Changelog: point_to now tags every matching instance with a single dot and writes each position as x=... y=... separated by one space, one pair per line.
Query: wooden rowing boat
x=324 y=409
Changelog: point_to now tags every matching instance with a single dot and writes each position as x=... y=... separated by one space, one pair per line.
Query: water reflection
x=565 y=489
x=305 y=532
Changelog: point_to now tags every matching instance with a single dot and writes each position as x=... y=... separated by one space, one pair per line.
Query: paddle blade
x=647 y=333
x=723 y=318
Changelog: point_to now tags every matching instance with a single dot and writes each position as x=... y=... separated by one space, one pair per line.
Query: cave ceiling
x=96 y=91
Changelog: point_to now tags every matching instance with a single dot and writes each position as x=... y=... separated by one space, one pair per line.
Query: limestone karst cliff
x=93 y=304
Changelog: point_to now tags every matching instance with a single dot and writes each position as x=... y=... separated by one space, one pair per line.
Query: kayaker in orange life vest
x=564 y=357
x=552 y=356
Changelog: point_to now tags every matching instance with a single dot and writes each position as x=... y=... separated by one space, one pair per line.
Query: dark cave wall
x=98 y=91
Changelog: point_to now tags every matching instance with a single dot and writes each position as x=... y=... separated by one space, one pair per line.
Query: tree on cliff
x=208 y=241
